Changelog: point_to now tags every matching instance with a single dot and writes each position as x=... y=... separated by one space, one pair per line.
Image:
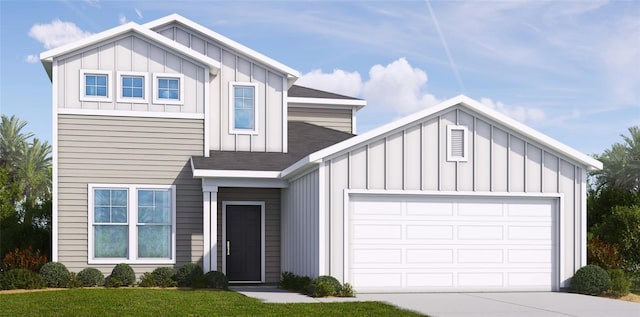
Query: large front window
x=132 y=223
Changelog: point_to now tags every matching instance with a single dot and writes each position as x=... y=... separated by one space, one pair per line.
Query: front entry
x=243 y=243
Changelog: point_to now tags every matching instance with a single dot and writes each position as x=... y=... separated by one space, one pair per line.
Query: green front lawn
x=171 y=302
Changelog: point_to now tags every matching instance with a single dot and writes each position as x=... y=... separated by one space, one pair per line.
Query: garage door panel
x=466 y=243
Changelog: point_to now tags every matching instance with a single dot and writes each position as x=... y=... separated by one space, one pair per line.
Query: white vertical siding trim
x=464 y=138
x=346 y=238
x=353 y=120
x=54 y=162
x=439 y=160
x=206 y=230
x=422 y=149
x=491 y=156
x=526 y=159
x=322 y=252
x=368 y=186
x=508 y=161
x=583 y=217
x=385 y=162
x=285 y=114
x=207 y=119
x=474 y=167
x=542 y=152
x=327 y=220
x=266 y=109
x=404 y=160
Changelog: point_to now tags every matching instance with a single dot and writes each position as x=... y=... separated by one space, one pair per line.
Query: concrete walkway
x=526 y=304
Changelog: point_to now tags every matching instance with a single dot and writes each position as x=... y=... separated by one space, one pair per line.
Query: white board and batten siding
x=129 y=53
x=235 y=67
x=126 y=150
x=300 y=226
x=413 y=159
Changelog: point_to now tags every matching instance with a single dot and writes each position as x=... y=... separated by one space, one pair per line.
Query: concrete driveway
x=508 y=304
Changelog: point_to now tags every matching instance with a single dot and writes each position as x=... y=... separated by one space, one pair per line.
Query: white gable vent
x=457 y=143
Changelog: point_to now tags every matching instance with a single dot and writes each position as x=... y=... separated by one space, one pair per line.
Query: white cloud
x=519 y=113
x=398 y=87
x=57 y=33
x=93 y=3
x=122 y=19
x=339 y=82
x=138 y=13
x=31 y=59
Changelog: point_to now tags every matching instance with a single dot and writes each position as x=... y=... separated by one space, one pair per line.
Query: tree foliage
x=25 y=188
x=621 y=164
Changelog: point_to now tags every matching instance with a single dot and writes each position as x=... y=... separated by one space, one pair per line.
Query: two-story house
x=175 y=144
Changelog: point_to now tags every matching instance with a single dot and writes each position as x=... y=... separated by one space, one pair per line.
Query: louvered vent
x=457 y=143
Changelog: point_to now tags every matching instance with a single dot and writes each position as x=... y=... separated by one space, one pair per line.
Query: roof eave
x=291 y=74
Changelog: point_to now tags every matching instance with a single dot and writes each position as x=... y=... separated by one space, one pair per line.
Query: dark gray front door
x=243 y=242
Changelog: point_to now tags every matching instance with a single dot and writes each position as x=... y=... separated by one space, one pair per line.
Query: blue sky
x=570 y=69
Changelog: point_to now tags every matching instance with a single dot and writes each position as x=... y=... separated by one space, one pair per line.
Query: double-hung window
x=131 y=224
x=132 y=87
x=95 y=85
x=169 y=88
x=243 y=115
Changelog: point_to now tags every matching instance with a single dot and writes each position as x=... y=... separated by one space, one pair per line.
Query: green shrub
x=112 y=282
x=188 y=274
x=590 y=280
x=74 y=281
x=620 y=284
x=124 y=273
x=22 y=279
x=163 y=277
x=217 y=280
x=24 y=259
x=622 y=227
x=323 y=286
x=603 y=254
x=147 y=280
x=346 y=291
x=55 y=274
x=90 y=277
x=296 y=283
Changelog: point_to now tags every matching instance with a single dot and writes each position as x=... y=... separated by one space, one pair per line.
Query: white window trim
x=145 y=87
x=84 y=97
x=465 y=141
x=156 y=100
x=132 y=221
x=232 y=128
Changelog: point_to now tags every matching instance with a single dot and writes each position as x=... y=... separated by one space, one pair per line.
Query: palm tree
x=13 y=141
x=621 y=163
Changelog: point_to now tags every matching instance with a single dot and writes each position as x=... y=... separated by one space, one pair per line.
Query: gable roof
x=313 y=97
x=303 y=138
x=131 y=27
x=292 y=74
x=306 y=92
x=461 y=101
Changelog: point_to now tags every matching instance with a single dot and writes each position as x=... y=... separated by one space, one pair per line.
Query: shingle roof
x=305 y=92
x=304 y=138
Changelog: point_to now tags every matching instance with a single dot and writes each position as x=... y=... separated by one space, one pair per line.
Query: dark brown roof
x=304 y=139
x=305 y=92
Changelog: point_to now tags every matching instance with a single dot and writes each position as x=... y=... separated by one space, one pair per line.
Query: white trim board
x=262 y=205
x=143 y=114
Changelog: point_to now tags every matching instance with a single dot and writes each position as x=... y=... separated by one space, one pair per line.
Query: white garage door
x=451 y=243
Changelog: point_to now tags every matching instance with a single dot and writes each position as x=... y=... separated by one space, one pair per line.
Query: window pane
x=119 y=215
x=119 y=197
x=111 y=241
x=90 y=80
x=244 y=119
x=162 y=198
x=126 y=81
x=145 y=198
x=145 y=214
x=101 y=197
x=101 y=91
x=137 y=81
x=163 y=215
x=90 y=91
x=173 y=84
x=248 y=92
x=162 y=83
x=137 y=93
x=154 y=241
x=126 y=92
x=102 y=214
x=173 y=94
x=101 y=80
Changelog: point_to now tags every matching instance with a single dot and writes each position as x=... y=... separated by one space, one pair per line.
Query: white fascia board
x=198 y=173
x=348 y=103
x=465 y=102
x=213 y=65
x=121 y=113
x=291 y=73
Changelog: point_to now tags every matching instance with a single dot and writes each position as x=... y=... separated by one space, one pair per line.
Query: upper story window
x=457 y=143
x=95 y=85
x=169 y=88
x=242 y=108
x=132 y=87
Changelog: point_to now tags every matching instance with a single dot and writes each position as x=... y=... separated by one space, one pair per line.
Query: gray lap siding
x=126 y=150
